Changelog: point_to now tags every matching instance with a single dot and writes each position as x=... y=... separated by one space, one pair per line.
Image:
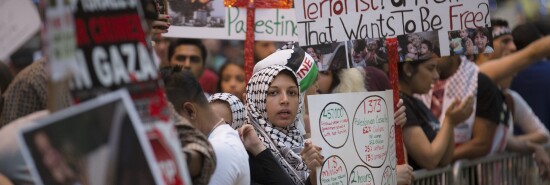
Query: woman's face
x=424 y=77
x=411 y=48
x=282 y=101
x=480 y=41
x=324 y=79
x=424 y=49
x=263 y=49
x=232 y=80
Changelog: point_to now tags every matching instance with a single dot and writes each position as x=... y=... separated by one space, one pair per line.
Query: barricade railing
x=437 y=176
x=502 y=169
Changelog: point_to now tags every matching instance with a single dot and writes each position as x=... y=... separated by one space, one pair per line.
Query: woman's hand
x=400 y=118
x=542 y=159
x=311 y=154
x=250 y=139
x=160 y=25
x=404 y=174
x=458 y=112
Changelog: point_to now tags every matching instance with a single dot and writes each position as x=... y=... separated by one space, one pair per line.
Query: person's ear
x=190 y=111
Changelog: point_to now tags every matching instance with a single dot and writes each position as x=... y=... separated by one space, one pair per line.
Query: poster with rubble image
x=329 y=57
x=356 y=132
x=210 y=19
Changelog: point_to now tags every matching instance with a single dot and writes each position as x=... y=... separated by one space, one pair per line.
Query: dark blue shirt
x=533 y=84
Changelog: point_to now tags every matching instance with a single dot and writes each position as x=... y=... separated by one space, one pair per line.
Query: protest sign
x=357 y=137
x=59 y=38
x=97 y=142
x=230 y=23
x=112 y=53
x=321 y=22
x=20 y=21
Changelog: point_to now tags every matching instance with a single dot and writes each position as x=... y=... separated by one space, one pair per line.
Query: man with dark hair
x=190 y=54
x=185 y=93
x=21 y=59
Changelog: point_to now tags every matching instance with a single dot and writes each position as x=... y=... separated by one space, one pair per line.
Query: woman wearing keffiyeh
x=273 y=102
x=231 y=107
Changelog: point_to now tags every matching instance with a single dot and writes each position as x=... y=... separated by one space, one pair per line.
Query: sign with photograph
x=471 y=41
x=211 y=20
x=97 y=142
x=357 y=136
x=322 y=22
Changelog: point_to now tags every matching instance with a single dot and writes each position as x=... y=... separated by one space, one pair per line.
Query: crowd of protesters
x=232 y=131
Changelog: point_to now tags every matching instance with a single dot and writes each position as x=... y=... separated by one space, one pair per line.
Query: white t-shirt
x=524 y=117
x=231 y=157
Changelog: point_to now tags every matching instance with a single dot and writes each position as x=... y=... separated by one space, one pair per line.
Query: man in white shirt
x=185 y=93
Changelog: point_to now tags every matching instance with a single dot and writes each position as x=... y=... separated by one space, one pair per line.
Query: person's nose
x=187 y=63
x=233 y=84
x=512 y=46
x=284 y=98
x=436 y=75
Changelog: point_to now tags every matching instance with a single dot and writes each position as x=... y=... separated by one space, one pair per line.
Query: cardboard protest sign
x=59 y=38
x=20 y=21
x=97 y=142
x=219 y=22
x=321 y=22
x=356 y=132
x=112 y=53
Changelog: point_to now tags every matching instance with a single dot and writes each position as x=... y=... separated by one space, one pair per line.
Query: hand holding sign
x=400 y=118
x=161 y=25
x=404 y=174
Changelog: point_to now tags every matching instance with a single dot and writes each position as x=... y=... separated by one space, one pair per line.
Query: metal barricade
x=501 y=169
x=440 y=176
x=498 y=169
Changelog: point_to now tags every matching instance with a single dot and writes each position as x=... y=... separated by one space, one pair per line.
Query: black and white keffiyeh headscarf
x=279 y=140
x=238 y=112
